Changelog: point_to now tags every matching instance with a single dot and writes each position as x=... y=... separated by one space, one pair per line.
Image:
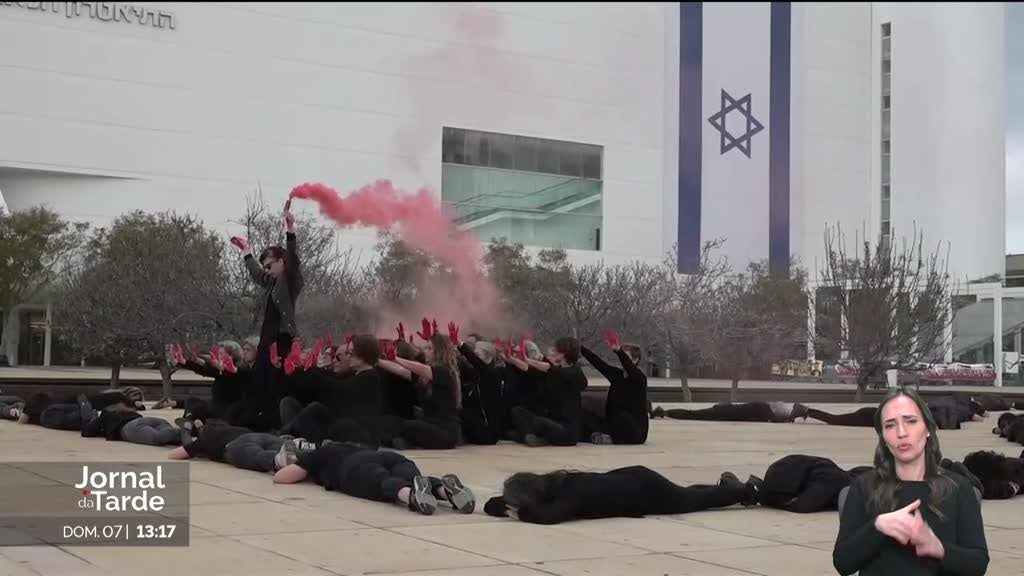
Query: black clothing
x=483 y=410
x=439 y=427
x=803 y=484
x=61 y=417
x=358 y=471
x=225 y=391
x=358 y=398
x=212 y=440
x=279 y=293
x=864 y=417
x=630 y=492
x=524 y=389
x=398 y=395
x=625 y=412
x=747 y=412
x=109 y=423
x=556 y=433
x=861 y=547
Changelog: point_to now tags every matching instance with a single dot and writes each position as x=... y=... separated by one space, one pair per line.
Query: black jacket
x=284 y=291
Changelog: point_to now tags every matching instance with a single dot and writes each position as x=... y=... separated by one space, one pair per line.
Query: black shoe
x=755 y=485
x=658 y=412
x=420 y=498
x=729 y=480
x=462 y=498
x=601 y=438
x=88 y=413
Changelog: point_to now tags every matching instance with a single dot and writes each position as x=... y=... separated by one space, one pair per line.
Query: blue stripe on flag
x=690 y=85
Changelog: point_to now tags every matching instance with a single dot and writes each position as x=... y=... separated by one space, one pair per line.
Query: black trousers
x=555 y=432
x=623 y=427
x=254 y=451
x=431 y=434
x=198 y=409
x=748 y=412
x=312 y=422
x=663 y=496
x=252 y=414
x=377 y=475
x=865 y=417
x=478 y=430
x=62 y=417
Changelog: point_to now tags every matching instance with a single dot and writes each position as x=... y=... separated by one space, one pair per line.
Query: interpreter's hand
x=926 y=543
x=900 y=525
x=289 y=218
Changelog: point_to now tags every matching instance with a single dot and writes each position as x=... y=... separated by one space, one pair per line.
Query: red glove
x=193 y=350
x=275 y=357
x=401 y=331
x=499 y=346
x=425 y=334
x=289 y=365
x=433 y=327
x=390 y=350
x=240 y=242
x=522 y=349
x=453 y=333
x=215 y=356
x=227 y=362
x=613 y=339
x=310 y=360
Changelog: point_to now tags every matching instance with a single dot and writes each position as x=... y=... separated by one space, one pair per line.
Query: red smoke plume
x=420 y=222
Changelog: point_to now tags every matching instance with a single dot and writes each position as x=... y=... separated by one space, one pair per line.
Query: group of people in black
x=339 y=415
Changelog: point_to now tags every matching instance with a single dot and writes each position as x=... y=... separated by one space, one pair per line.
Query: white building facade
x=560 y=124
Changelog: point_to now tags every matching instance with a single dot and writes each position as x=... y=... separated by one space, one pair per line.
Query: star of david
x=742 y=106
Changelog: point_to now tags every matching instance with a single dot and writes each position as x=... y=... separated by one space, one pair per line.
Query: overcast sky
x=1015 y=128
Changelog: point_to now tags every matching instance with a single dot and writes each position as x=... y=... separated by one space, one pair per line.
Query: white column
x=49 y=335
x=997 y=333
x=811 y=322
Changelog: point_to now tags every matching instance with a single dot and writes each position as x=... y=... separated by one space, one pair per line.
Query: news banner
x=95 y=504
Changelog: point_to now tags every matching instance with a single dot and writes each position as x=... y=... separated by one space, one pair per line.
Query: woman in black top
x=630 y=492
x=440 y=396
x=483 y=411
x=909 y=516
x=625 y=415
x=564 y=383
x=351 y=409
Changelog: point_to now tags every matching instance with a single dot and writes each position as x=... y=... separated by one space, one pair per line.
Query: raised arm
x=259 y=275
x=627 y=363
x=538 y=365
x=393 y=367
x=470 y=355
x=609 y=372
x=292 y=265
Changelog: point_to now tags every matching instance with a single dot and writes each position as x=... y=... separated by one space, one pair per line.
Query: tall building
x=615 y=131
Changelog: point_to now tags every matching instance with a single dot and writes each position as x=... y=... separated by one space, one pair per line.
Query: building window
x=534 y=191
x=886 y=132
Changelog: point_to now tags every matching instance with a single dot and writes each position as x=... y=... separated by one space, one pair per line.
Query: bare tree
x=34 y=246
x=692 y=313
x=760 y=318
x=146 y=281
x=894 y=301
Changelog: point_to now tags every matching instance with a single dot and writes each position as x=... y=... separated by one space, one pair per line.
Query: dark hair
x=885 y=482
x=569 y=347
x=634 y=351
x=272 y=252
x=366 y=348
x=529 y=490
x=407 y=351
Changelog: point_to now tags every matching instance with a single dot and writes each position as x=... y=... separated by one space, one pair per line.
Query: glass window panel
x=592 y=162
x=453 y=146
x=548 y=156
x=502 y=151
x=526 y=154
x=570 y=161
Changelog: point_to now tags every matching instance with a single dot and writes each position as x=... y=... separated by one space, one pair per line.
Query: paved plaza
x=243 y=524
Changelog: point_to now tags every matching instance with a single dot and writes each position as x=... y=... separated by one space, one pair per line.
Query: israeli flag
x=734 y=131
